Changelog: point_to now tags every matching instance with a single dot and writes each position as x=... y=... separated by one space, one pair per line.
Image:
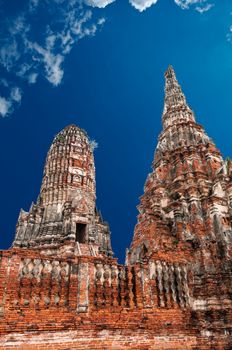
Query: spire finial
x=173 y=93
x=174 y=97
x=170 y=72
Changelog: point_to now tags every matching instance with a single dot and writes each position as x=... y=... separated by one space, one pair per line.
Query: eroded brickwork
x=60 y=287
x=65 y=219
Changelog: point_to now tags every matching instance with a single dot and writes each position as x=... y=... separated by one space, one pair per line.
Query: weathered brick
x=63 y=291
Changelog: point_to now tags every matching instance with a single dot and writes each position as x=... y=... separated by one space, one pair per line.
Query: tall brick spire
x=185 y=211
x=65 y=215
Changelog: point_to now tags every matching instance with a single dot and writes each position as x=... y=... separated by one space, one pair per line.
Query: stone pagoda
x=60 y=287
x=185 y=211
x=65 y=219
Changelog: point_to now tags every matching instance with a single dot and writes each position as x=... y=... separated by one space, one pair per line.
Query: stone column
x=83 y=285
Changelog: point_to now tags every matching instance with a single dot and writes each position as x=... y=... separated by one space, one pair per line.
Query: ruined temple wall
x=89 y=302
x=82 y=284
x=29 y=281
x=85 y=303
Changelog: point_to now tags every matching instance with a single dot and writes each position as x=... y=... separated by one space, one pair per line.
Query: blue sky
x=100 y=64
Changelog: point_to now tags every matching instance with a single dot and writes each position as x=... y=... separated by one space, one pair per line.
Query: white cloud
x=5 y=106
x=9 y=54
x=19 y=26
x=8 y=104
x=142 y=5
x=32 y=78
x=23 y=70
x=199 y=5
x=16 y=94
x=27 y=53
x=229 y=35
x=205 y=8
x=52 y=63
x=54 y=71
x=10 y=51
x=99 y=3
x=4 y=83
x=33 y=4
x=58 y=44
x=27 y=58
x=101 y=21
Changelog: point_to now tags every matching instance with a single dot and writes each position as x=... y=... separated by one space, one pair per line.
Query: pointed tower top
x=170 y=72
x=174 y=100
x=69 y=133
x=72 y=128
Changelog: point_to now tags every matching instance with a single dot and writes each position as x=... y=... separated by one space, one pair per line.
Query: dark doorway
x=143 y=252
x=80 y=232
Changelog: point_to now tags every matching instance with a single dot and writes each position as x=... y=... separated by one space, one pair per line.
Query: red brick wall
x=91 y=303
